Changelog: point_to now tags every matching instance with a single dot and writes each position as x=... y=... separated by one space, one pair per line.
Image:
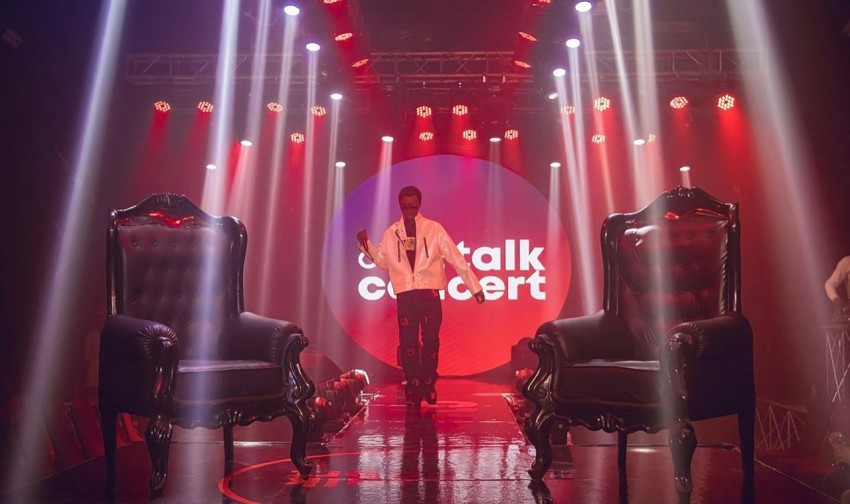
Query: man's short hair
x=410 y=191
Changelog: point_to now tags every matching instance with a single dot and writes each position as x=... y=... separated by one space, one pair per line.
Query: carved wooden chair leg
x=298 y=449
x=227 y=432
x=538 y=427
x=683 y=442
x=108 y=419
x=622 y=445
x=746 y=436
x=158 y=438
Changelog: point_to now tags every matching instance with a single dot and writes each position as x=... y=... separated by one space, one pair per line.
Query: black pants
x=419 y=309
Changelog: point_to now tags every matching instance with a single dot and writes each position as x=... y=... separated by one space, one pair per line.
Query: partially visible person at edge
x=412 y=250
x=841 y=276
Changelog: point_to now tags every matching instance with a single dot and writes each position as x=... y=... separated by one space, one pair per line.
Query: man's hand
x=479 y=296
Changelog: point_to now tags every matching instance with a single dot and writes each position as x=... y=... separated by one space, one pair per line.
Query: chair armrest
x=601 y=335
x=125 y=338
x=138 y=360
x=273 y=340
x=255 y=337
x=712 y=338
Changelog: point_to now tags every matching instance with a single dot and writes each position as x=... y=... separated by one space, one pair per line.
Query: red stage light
x=460 y=110
x=162 y=106
x=522 y=64
x=328 y=2
x=360 y=63
x=601 y=103
x=470 y=134
x=297 y=137
x=568 y=110
x=274 y=107
x=343 y=36
x=678 y=102
x=318 y=110
x=598 y=138
x=426 y=136
x=423 y=111
x=528 y=36
x=511 y=134
x=726 y=102
x=205 y=107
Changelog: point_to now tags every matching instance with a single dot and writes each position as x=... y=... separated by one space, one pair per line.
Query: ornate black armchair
x=669 y=346
x=178 y=347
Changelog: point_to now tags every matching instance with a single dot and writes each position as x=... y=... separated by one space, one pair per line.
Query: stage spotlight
x=340 y=164
x=469 y=134
x=495 y=139
x=552 y=96
x=639 y=142
x=511 y=134
x=573 y=43
x=554 y=164
x=584 y=6
x=651 y=138
x=162 y=106
x=678 y=102
x=426 y=136
x=568 y=110
x=318 y=110
x=726 y=102
x=386 y=139
x=205 y=107
x=329 y=2
x=423 y=111
x=291 y=10
x=598 y=138
x=297 y=137
x=312 y=46
x=559 y=72
x=342 y=37
x=522 y=64
x=601 y=103
x=460 y=110
x=336 y=96
x=274 y=107
x=360 y=63
x=246 y=143
x=210 y=166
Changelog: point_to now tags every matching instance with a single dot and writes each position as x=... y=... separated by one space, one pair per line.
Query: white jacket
x=433 y=244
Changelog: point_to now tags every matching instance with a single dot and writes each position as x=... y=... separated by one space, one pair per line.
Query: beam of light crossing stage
x=625 y=93
x=579 y=205
x=213 y=200
x=309 y=205
x=215 y=191
x=386 y=204
x=50 y=336
x=334 y=197
x=786 y=168
x=650 y=178
x=243 y=194
x=290 y=29
x=587 y=36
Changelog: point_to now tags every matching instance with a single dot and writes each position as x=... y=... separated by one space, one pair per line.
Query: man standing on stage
x=412 y=250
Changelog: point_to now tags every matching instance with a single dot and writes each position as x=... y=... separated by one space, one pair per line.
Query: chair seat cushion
x=222 y=379
x=606 y=381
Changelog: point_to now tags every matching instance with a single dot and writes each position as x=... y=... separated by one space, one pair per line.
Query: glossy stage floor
x=467 y=448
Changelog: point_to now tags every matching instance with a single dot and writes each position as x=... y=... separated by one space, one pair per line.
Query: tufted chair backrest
x=170 y=262
x=676 y=260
